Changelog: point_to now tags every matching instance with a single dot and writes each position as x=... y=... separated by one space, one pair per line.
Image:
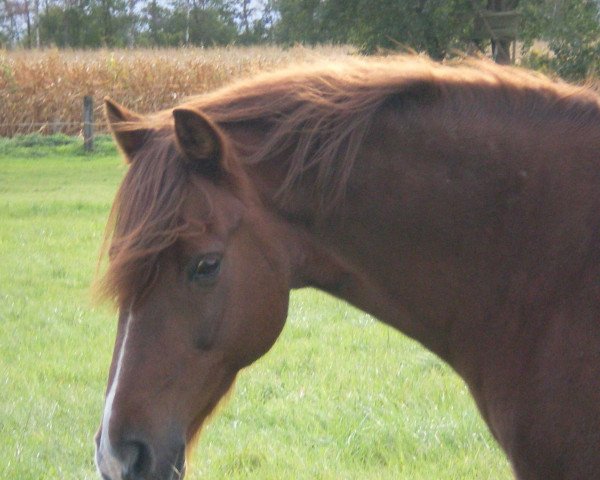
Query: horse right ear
x=200 y=141
x=126 y=128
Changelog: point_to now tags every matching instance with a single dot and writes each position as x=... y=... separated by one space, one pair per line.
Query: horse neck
x=438 y=237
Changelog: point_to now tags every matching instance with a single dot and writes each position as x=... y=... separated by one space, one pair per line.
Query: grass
x=340 y=396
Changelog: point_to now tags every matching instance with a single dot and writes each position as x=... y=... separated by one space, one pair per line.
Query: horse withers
x=459 y=204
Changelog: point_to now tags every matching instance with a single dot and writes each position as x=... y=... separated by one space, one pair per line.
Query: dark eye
x=205 y=268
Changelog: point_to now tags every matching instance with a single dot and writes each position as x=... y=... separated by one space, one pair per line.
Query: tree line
x=571 y=28
x=132 y=23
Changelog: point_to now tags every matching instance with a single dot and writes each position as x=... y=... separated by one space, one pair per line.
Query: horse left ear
x=126 y=127
x=200 y=141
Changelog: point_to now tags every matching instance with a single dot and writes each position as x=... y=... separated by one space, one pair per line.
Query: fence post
x=88 y=123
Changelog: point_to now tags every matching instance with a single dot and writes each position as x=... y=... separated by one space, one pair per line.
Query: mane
x=316 y=116
x=145 y=220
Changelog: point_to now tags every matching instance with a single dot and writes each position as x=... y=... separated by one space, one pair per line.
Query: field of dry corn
x=42 y=91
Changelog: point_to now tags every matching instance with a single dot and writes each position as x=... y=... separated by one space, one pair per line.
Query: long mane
x=145 y=220
x=316 y=116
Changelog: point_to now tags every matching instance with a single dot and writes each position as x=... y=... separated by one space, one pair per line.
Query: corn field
x=42 y=90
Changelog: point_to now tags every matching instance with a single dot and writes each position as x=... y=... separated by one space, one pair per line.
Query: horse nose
x=128 y=460
x=136 y=458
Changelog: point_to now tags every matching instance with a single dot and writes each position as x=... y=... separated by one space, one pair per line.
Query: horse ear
x=125 y=127
x=200 y=141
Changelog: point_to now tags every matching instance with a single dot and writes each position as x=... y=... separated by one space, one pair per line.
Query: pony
x=458 y=203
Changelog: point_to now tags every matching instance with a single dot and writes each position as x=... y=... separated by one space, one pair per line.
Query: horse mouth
x=173 y=469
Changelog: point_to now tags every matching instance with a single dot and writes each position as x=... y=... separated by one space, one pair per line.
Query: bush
x=571 y=29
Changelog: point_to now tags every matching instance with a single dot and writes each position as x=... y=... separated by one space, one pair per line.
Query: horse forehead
x=215 y=206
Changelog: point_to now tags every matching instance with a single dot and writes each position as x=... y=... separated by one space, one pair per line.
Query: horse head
x=201 y=278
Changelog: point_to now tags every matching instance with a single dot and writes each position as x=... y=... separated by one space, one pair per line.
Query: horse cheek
x=263 y=308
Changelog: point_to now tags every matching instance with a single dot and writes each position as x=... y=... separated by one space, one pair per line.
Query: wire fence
x=85 y=128
x=45 y=125
x=50 y=127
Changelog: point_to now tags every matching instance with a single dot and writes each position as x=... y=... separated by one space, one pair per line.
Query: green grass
x=340 y=396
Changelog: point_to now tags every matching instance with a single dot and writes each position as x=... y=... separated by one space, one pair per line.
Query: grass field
x=339 y=397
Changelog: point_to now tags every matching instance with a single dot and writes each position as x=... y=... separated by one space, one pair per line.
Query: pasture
x=340 y=396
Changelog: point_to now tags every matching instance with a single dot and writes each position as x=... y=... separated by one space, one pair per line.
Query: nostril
x=137 y=460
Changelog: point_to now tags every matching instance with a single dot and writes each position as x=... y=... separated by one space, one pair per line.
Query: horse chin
x=177 y=469
x=195 y=429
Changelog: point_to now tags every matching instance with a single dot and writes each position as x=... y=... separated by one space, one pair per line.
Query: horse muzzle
x=136 y=459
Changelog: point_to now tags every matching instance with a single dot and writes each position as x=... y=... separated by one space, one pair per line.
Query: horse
x=458 y=203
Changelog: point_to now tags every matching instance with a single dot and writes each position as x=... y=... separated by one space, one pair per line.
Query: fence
x=86 y=128
x=42 y=90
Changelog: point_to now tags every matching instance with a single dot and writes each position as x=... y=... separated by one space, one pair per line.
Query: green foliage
x=299 y=22
x=93 y=23
x=206 y=27
x=571 y=29
x=86 y=24
x=434 y=26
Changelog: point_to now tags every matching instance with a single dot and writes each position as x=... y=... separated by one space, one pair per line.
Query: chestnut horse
x=459 y=204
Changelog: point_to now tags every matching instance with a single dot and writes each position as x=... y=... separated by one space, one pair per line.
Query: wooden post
x=501 y=46
x=88 y=123
x=501 y=26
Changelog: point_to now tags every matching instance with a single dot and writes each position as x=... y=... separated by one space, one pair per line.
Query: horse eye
x=205 y=268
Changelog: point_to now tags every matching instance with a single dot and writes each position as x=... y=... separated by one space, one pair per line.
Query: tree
x=571 y=29
x=86 y=23
x=201 y=22
x=254 y=20
x=434 y=26
x=12 y=14
x=154 y=17
x=299 y=22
